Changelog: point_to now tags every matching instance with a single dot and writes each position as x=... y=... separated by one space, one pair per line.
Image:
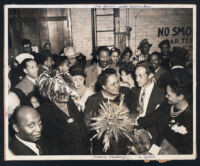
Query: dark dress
x=59 y=136
x=91 y=110
x=183 y=142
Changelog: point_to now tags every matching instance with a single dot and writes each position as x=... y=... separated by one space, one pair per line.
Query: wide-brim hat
x=70 y=52
x=163 y=43
x=144 y=41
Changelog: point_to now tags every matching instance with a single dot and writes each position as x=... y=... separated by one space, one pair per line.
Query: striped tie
x=140 y=107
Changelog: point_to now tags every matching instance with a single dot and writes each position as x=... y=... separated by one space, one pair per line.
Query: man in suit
x=27 y=126
x=155 y=60
x=93 y=71
x=144 y=48
x=30 y=68
x=46 y=62
x=171 y=127
x=147 y=96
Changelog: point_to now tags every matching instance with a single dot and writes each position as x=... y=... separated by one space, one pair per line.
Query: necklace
x=174 y=114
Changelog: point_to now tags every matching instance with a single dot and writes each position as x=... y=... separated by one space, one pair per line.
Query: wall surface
x=82 y=31
x=157 y=25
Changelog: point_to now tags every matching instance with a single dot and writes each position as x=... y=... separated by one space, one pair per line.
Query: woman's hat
x=77 y=70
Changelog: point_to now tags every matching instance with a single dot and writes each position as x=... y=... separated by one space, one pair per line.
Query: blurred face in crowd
x=31 y=69
x=165 y=50
x=172 y=97
x=103 y=58
x=49 y=62
x=64 y=67
x=48 y=46
x=34 y=101
x=114 y=57
x=79 y=80
x=155 y=61
x=29 y=125
x=112 y=86
x=127 y=57
x=145 y=49
x=27 y=48
x=72 y=61
x=143 y=80
x=63 y=98
x=124 y=77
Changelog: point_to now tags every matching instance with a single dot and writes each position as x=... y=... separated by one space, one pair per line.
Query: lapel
x=94 y=73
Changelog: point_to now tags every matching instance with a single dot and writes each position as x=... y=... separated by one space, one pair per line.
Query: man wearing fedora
x=144 y=48
x=165 y=53
x=71 y=55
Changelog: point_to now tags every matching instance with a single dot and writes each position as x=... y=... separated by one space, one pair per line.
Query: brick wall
x=81 y=31
x=173 y=24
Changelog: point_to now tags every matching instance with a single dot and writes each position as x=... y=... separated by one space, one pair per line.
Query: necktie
x=140 y=107
x=39 y=148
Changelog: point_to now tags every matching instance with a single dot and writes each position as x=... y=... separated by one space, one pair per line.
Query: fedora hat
x=144 y=41
x=70 y=52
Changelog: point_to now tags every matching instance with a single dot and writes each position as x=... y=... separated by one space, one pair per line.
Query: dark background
x=122 y=163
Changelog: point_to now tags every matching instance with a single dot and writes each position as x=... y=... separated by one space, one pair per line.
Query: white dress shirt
x=31 y=145
x=99 y=69
x=148 y=91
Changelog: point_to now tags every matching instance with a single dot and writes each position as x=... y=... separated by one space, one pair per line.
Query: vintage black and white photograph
x=100 y=82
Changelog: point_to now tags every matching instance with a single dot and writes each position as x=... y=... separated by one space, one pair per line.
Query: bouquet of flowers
x=113 y=121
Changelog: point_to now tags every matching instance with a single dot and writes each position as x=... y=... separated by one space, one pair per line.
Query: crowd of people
x=54 y=99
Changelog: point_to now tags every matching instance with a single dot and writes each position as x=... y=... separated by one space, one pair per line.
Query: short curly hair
x=103 y=77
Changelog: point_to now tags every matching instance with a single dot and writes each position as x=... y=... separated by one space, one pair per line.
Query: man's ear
x=103 y=86
x=151 y=75
x=25 y=71
x=181 y=97
x=15 y=127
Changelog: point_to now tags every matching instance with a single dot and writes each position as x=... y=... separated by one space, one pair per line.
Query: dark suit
x=18 y=148
x=159 y=73
x=156 y=98
x=26 y=86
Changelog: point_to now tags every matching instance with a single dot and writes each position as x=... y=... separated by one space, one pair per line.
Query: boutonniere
x=70 y=120
x=179 y=129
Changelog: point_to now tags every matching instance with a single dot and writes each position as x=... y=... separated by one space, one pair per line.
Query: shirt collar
x=149 y=87
x=157 y=69
x=99 y=69
x=45 y=67
x=177 y=67
x=31 y=79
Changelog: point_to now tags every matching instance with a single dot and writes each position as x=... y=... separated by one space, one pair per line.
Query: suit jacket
x=26 y=86
x=18 y=148
x=160 y=72
x=91 y=75
x=156 y=98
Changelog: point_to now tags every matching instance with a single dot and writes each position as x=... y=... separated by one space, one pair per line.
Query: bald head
x=27 y=124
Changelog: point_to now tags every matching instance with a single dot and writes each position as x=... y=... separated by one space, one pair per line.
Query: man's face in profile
x=29 y=125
